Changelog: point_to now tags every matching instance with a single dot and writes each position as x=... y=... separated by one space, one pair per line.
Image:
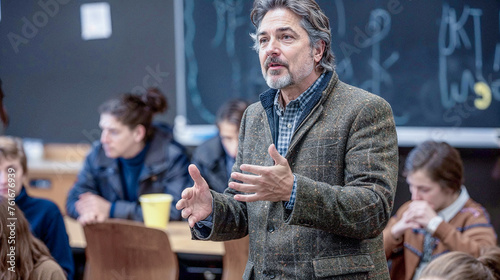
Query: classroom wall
x=54 y=80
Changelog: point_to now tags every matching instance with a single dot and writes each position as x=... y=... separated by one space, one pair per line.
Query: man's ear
x=318 y=51
x=139 y=133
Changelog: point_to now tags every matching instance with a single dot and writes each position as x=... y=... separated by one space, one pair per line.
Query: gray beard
x=279 y=83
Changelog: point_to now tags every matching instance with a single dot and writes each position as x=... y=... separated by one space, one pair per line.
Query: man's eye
x=262 y=41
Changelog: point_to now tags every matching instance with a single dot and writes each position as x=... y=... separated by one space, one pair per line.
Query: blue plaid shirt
x=288 y=122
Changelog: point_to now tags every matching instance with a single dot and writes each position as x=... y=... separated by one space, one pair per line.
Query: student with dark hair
x=132 y=158
x=215 y=157
x=45 y=219
x=460 y=266
x=30 y=259
x=440 y=217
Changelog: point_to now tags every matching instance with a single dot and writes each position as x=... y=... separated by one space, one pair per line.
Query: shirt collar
x=22 y=196
x=137 y=159
x=449 y=212
x=303 y=98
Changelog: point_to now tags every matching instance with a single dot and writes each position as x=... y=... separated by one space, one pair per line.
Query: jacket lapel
x=304 y=127
x=313 y=116
x=115 y=180
x=268 y=140
x=413 y=255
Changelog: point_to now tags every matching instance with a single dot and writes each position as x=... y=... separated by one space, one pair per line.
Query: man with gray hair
x=314 y=179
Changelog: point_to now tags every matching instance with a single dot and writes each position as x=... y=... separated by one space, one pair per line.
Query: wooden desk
x=53 y=176
x=178 y=232
x=52 y=180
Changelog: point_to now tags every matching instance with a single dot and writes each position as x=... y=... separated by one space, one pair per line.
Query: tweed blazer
x=345 y=159
x=468 y=231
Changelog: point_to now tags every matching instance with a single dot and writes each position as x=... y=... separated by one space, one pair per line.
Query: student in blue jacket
x=132 y=158
x=44 y=217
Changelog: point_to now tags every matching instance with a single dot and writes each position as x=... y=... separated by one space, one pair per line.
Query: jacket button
x=272 y=276
x=270 y=229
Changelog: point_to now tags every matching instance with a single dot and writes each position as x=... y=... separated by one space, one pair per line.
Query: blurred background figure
x=32 y=259
x=132 y=158
x=440 y=217
x=45 y=219
x=460 y=265
x=215 y=157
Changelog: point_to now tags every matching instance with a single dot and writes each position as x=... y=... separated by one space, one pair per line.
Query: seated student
x=28 y=258
x=460 y=265
x=132 y=158
x=44 y=217
x=440 y=217
x=215 y=157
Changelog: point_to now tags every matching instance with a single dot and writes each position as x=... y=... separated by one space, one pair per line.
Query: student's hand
x=403 y=224
x=92 y=208
x=87 y=218
x=421 y=212
x=270 y=183
x=196 y=202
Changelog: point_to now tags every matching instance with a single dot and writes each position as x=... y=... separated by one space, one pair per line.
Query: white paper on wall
x=96 y=21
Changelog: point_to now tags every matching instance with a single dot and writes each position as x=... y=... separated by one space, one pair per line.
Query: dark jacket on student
x=210 y=159
x=165 y=170
x=47 y=224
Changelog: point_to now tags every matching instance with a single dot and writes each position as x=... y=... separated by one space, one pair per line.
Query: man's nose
x=273 y=48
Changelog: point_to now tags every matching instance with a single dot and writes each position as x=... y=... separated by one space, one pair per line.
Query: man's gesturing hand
x=270 y=183
x=196 y=202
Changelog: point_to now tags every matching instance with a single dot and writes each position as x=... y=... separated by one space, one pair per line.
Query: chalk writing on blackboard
x=436 y=63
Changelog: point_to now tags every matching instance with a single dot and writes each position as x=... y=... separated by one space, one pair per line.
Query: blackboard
x=436 y=62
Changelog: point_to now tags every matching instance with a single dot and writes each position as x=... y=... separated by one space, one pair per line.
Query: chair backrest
x=122 y=249
x=235 y=259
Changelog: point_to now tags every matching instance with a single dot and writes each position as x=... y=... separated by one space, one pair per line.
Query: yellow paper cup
x=156 y=209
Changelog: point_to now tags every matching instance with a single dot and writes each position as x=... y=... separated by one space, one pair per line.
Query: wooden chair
x=235 y=259
x=122 y=249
